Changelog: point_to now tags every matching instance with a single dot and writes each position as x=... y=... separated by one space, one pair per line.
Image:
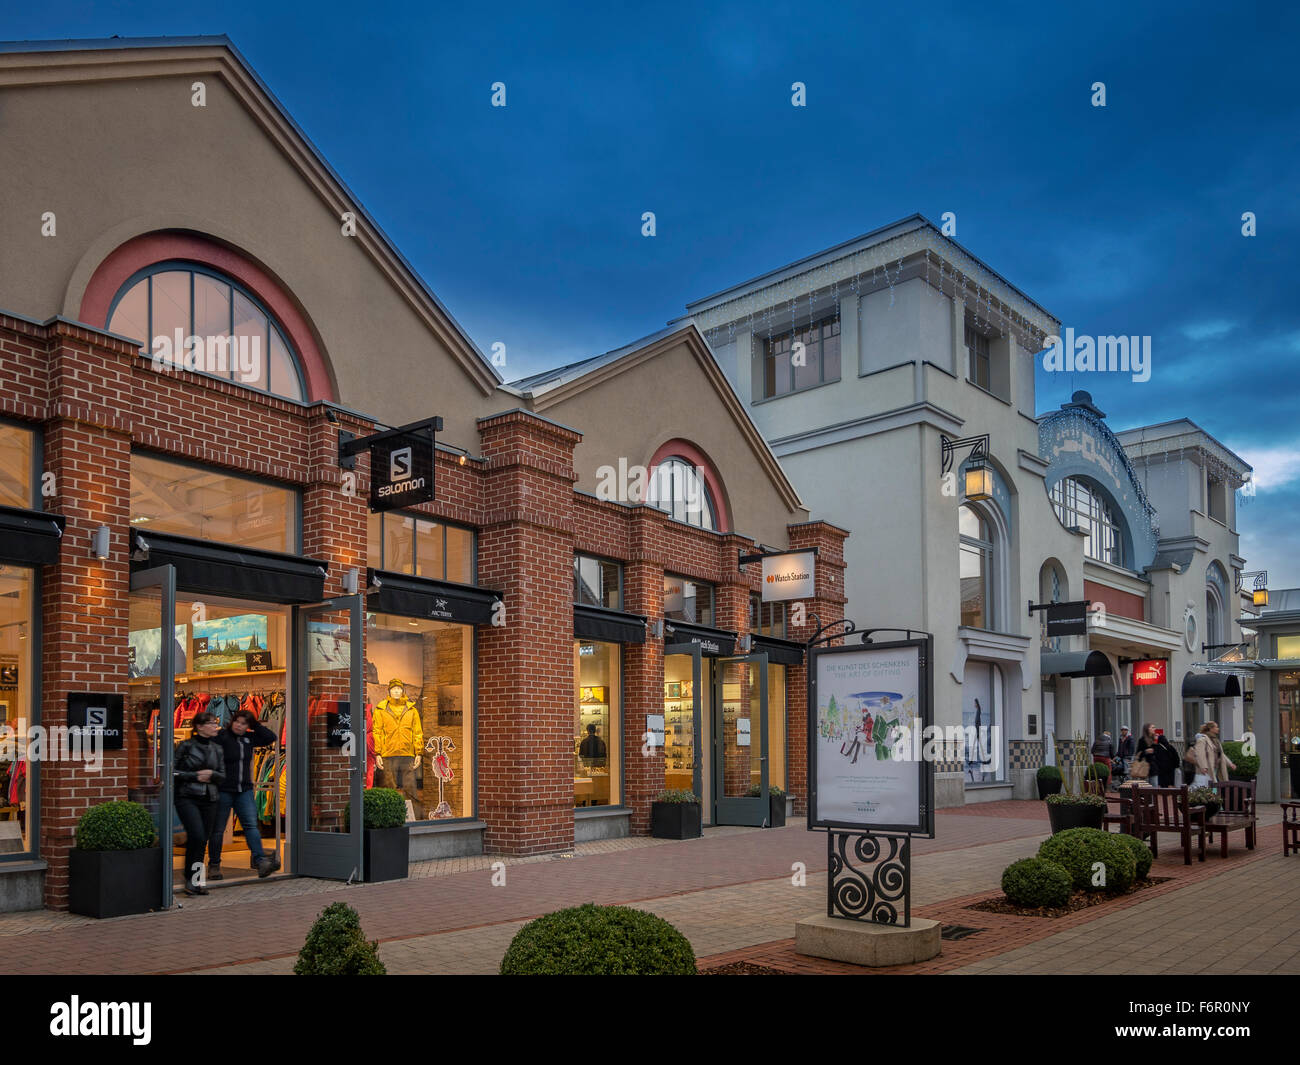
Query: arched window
x=679 y=489
x=1213 y=629
x=194 y=318
x=1078 y=506
x=977 y=577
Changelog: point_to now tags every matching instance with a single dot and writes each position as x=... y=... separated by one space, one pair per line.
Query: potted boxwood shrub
x=1073 y=806
x=116 y=866
x=676 y=814
x=1247 y=764
x=776 y=804
x=388 y=838
x=1049 y=781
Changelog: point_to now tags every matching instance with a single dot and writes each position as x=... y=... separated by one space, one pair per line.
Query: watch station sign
x=789 y=576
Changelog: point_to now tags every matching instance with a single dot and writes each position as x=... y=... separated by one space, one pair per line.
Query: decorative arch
x=144 y=251
x=717 y=490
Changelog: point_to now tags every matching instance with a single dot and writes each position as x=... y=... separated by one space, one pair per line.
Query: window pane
x=971 y=524
x=399 y=543
x=206 y=504
x=596 y=756
x=460 y=555
x=810 y=372
x=972 y=587
x=16 y=467
x=171 y=309
x=250 y=332
x=781 y=380
x=131 y=316
x=428 y=550
x=831 y=356
x=284 y=377
x=212 y=318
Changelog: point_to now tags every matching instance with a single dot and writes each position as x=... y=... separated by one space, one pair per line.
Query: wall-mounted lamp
x=655 y=628
x=1259 y=593
x=99 y=543
x=745 y=644
x=374 y=584
x=351 y=581
x=978 y=475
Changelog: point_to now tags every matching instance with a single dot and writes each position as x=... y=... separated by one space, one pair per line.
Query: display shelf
x=191 y=679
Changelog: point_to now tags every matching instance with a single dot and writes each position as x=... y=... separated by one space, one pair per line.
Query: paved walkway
x=735 y=893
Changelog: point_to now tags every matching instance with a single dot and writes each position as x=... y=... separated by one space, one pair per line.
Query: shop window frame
x=36 y=463
x=430 y=519
x=621 y=805
x=603 y=560
x=191 y=267
x=179 y=460
x=756 y=607
x=713 y=600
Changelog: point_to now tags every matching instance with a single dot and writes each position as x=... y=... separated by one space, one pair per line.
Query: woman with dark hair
x=197 y=769
x=1157 y=751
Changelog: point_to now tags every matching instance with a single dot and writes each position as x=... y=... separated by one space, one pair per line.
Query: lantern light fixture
x=1259 y=591
x=978 y=475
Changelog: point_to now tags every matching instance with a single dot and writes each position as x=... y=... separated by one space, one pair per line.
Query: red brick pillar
x=828 y=606
x=643 y=671
x=525 y=668
x=84 y=600
x=732 y=614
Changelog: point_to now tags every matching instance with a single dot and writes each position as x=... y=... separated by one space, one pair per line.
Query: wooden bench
x=1157 y=810
x=1236 y=815
x=1290 y=828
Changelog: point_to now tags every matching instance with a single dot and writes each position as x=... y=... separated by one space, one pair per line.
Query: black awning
x=782 y=652
x=614 y=626
x=1075 y=664
x=1210 y=686
x=29 y=537
x=711 y=641
x=417 y=597
x=212 y=568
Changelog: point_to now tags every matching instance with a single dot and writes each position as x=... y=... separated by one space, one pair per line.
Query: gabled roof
x=135 y=57
x=1144 y=440
x=543 y=390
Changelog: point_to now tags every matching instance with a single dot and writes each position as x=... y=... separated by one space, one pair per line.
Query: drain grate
x=958 y=931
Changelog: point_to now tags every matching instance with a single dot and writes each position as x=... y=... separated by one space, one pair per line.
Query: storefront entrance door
x=682 y=759
x=151 y=670
x=329 y=740
x=740 y=765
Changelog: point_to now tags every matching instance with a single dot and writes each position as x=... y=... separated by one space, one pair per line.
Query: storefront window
x=16 y=467
x=597 y=582
x=976 y=569
x=205 y=504
x=419 y=708
x=17 y=626
x=776 y=725
x=596 y=749
x=983 y=758
x=767 y=619
x=687 y=600
x=404 y=543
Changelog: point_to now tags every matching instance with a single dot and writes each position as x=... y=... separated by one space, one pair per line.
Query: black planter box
x=114 y=883
x=676 y=820
x=1063 y=817
x=1049 y=786
x=388 y=853
x=777 y=818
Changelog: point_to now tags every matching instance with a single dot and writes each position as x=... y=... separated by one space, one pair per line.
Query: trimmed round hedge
x=336 y=946
x=592 y=940
x=1080 y=849
x=383 y=808
x=116 y=826
x=1034 y=882
x=1141 y=853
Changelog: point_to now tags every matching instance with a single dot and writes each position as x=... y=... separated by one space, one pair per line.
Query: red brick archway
x=144 y=251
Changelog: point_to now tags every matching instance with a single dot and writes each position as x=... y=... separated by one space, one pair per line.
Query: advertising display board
x=870 y=715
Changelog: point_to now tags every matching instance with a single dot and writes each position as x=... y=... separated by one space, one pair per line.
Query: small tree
x=336 y=946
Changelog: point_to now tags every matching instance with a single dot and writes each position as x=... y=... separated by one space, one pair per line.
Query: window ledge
x=993 y=395
x=463 y=824
x=591 y=813
x=794 y=392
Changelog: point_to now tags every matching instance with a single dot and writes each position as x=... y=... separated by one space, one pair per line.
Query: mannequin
x=399 y=739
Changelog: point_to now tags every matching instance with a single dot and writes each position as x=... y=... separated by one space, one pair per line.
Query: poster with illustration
x=144 y=651
x=869 y=706
x=329 y=646
x=220 y=644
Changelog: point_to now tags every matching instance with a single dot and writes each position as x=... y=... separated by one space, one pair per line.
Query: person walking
x=1103 y=750
x=198 y=769
x=1124 y=753
x=1207 y=752
x=1159 y=754
x=238 y=741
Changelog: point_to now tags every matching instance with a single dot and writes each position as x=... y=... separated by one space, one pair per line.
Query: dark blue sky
x=526 y=220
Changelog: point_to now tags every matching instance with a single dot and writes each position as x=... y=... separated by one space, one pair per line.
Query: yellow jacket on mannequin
x=397 y=726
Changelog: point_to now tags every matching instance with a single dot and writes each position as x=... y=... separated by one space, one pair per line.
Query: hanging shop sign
x=401 y=463
x=1149 y=671
x=417 y=597
x=789 y=576
x=870 y=765
x=98 y=715
x=1064 y=619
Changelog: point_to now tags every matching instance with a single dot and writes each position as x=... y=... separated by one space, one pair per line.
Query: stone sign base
x=860 y=943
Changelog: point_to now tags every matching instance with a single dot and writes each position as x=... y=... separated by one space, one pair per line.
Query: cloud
x=1274 y=466
x=1209 y=330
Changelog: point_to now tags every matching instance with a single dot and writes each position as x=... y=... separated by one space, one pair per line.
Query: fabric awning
x=1075 y=664
x=212 y=568
x=612 y=626
x=417 y=597
x=30 y=537
x=782 y=652
x=1210 y=686
x=711 y=641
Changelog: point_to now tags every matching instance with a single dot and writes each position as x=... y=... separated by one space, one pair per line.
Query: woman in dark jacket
x=1160 y=754
x=197 y=769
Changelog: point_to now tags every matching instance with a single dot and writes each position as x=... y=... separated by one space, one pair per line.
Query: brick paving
x=733 y=893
